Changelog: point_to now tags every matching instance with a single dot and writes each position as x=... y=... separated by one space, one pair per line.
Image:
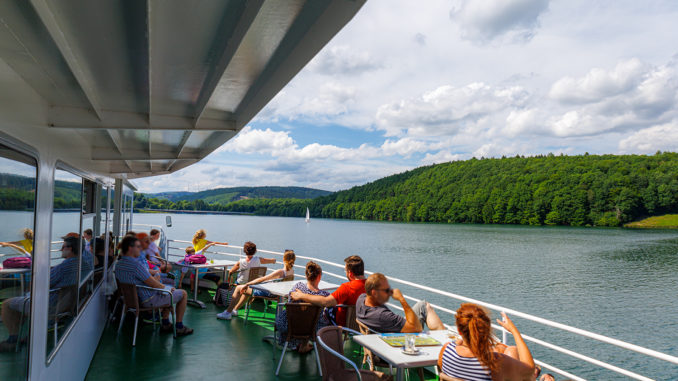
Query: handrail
x=536 y=319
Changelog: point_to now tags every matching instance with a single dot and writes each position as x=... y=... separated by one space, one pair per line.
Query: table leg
x=277 y=308
x=399 y=374
x=195 y=300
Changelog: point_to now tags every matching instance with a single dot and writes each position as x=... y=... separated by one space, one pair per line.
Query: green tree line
x=605 y=190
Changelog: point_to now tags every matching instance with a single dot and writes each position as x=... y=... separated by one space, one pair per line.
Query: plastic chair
x=332 y=357
x=131 y=303
x=302 y=320
x=350 y=319
x=368 y=357
x=65 y=307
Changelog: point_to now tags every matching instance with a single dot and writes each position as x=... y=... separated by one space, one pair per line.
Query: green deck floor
x=217 y=350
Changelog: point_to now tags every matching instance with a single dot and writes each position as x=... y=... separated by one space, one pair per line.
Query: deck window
x=17 y=217
x=78 y=219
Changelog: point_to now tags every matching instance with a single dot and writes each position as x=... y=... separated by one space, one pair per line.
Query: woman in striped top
x=476 y=355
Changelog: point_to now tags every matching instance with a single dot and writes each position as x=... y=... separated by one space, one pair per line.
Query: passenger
x=100 y=252
x=88 y=260
x=313 y=275
x=155 y=236
x=346 y=294
x=129 y=270
x=63 y=275
x=199 y=241
x=372 y=311
x=242 y=292
x=190 y=250
x=251 y=260
x=474 y=357
x=547 y=377
x=156 y=266
x=87 y=237
x=25 y=246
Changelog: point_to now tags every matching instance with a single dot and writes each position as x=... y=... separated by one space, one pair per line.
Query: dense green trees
x=603 y=190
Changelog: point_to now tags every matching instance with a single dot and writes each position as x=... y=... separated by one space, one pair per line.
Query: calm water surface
x=617 y=282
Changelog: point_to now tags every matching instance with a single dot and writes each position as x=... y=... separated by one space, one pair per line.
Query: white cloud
x=663 y=137
x=599 y=83
x=633 y=95
x=338 y=60
x=447 y=109
x=441 y=157
x=251 y=141
x=328 y=100
x=279 y=144
x=485 y=20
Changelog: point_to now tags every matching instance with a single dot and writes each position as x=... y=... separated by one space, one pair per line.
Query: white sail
x=308 y=216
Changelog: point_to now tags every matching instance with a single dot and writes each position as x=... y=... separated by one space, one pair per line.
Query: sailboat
x=308 y=216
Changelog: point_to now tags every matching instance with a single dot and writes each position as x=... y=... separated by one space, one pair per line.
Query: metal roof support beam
x=70 y=55
x=150 y=80
x=139 y=156
x=247 y=17
x=73 y=117
x=118 y=145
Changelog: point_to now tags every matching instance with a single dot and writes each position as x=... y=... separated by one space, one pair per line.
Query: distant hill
x=219 y=199
x=595 y=190
x=226 y=195
x=18 y=193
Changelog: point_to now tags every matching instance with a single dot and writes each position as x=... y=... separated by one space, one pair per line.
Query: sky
x=412 y=83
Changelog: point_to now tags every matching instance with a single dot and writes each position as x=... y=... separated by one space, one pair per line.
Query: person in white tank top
x=242 y=292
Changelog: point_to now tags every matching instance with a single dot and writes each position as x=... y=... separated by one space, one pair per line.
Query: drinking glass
x=409 y=343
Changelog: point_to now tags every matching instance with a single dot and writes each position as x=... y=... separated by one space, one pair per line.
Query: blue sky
x=406 y=84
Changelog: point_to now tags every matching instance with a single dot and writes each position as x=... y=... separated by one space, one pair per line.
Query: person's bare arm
x=318 y=300
x=15 y=247
x=412 y=323
x=274 y=275
x=210 y=243
x=440 y=355
x=267 y=261
x=153 y=282
x=233 y=269
x=524 y=368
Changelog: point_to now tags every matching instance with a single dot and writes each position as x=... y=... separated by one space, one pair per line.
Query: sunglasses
x=387 y=290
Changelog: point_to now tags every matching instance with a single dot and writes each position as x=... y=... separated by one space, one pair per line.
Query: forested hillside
x=603 y=190
x=285 y=200
x=18 y=193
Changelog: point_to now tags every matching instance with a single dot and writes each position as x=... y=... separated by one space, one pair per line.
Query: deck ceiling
x=156 y=85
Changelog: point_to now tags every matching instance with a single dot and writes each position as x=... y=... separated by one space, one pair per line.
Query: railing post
x=503 y=333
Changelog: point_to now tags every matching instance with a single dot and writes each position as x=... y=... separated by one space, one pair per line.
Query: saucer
x=411 y=353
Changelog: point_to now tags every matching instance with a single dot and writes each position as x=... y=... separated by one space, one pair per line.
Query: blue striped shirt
x=130 y=270
x=64 y=274
x=466 y=368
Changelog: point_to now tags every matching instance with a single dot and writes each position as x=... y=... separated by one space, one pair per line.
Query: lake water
x=617 y=282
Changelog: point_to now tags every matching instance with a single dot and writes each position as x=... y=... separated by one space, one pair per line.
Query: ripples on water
x=617 y=282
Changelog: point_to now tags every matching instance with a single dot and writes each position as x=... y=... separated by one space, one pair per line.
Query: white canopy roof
x=154 y=86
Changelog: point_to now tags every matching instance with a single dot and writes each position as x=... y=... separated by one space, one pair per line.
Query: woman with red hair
x=475 y=356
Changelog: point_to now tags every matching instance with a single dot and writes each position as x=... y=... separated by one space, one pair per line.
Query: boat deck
x=217 y=350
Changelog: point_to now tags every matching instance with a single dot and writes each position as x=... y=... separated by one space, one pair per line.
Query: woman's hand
x=507 y=323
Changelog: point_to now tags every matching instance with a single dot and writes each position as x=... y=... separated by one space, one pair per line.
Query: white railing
x=544 y=322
